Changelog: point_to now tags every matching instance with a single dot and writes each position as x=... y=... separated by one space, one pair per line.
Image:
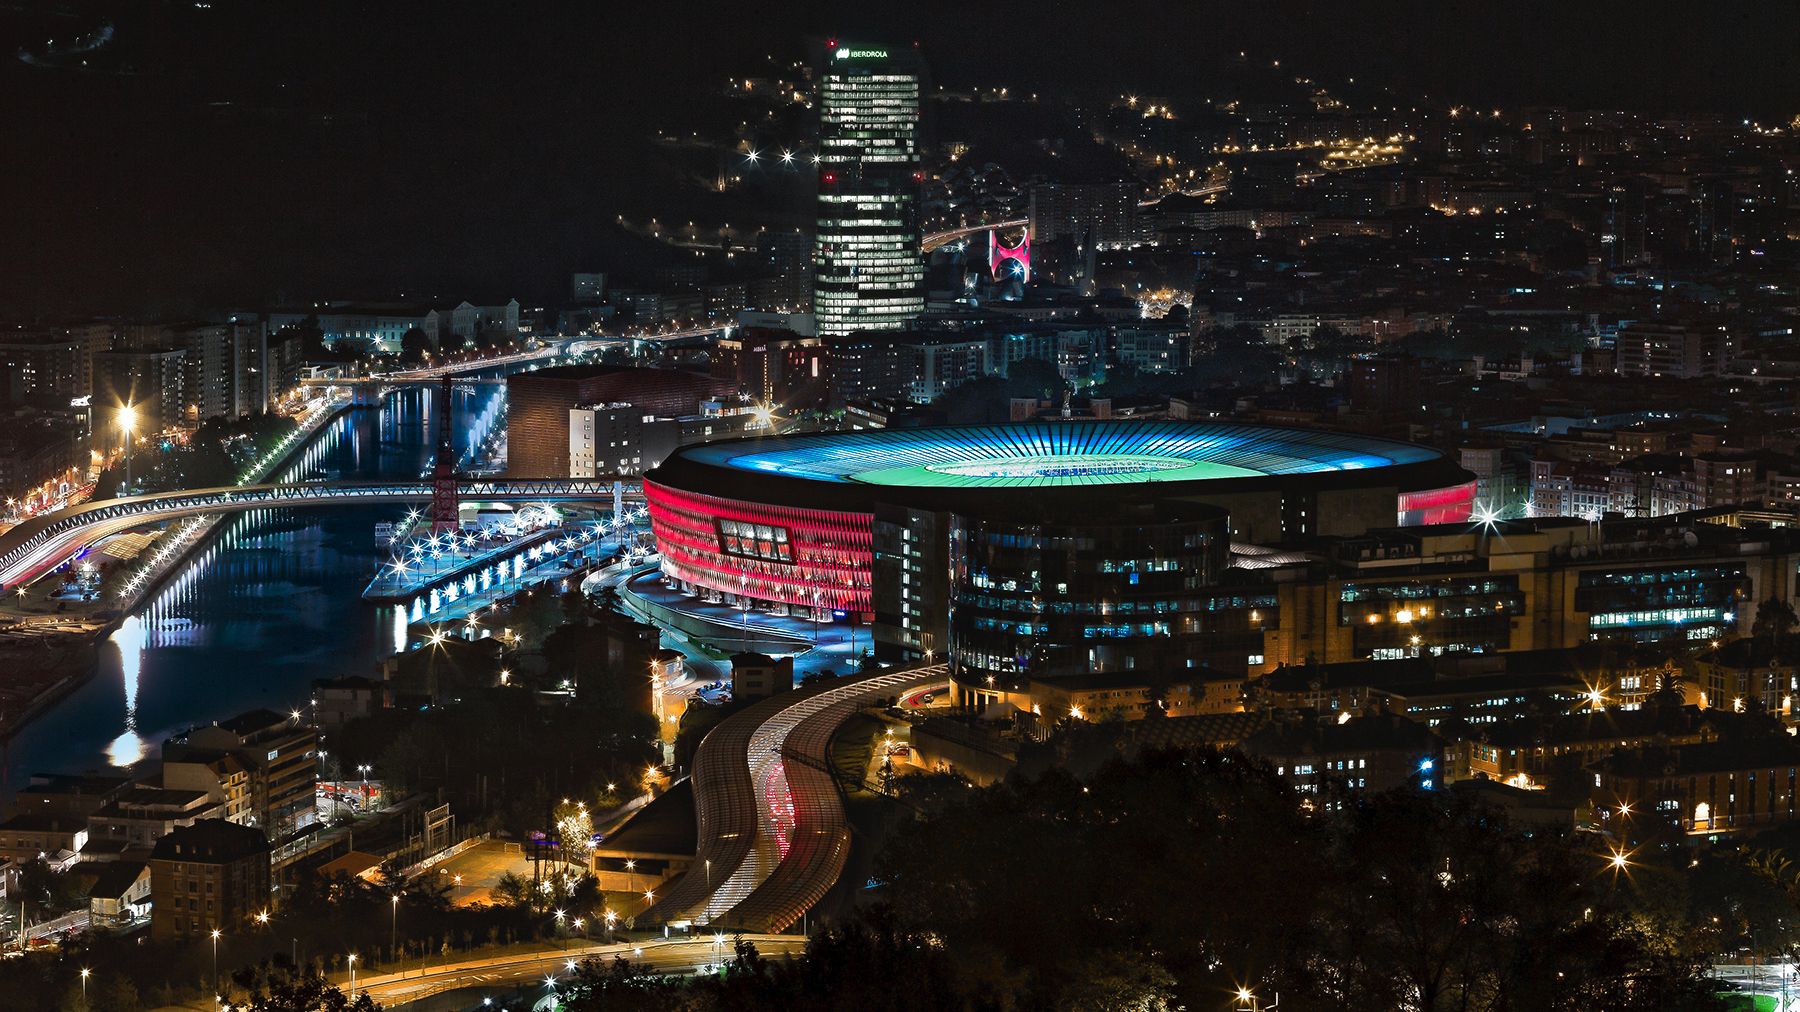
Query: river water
x=271 y=604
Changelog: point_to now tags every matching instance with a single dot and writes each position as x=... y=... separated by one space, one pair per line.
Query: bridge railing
x=21 y=542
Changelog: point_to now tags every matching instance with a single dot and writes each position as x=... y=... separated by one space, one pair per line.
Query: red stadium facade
x=802 y=558
x=1437 y=506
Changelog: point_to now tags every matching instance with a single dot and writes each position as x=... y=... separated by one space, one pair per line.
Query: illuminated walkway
x=773 y=834
x=41 y=544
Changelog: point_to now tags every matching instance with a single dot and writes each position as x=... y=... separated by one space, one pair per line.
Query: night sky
x=256 y=150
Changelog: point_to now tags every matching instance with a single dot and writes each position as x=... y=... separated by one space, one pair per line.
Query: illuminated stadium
x=943 y=537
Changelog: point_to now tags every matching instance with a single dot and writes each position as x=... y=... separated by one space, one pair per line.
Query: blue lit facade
x=1114 y=593
x=1664 y=603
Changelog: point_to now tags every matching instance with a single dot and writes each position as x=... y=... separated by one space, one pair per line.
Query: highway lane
x=680 y=955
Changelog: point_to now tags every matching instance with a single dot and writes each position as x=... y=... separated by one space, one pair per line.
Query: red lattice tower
x=444 y=494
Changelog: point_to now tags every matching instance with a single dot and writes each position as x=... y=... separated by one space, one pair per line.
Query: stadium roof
x=1098 y=457
x=1059 y=453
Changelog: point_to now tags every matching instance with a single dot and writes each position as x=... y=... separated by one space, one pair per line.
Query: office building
x=38 y=367
x=140 y=816
x=381 y=325
x=1499 y=491
x=787 y=259
x=225 y=370
x=869 y=365
x=773 y=367
x=466 y=322
x=213 y=875
x=1674 y=350
x=942 y=362
x=617 y=439
x=149 y=381
x=538 y=406
x=1104 y=214
x=868 y=271
x=1151 y=347
x=279 y=753
x=28 y=837
x=759 y=676
x=587 y=289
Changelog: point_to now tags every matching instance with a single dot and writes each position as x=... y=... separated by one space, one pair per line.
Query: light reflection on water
x=272 y=604
x=127 y=749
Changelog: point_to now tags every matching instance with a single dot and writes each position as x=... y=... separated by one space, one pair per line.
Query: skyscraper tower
x=868 y=273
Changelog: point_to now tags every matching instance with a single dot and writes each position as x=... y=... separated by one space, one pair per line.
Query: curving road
x=773 y=834
x=679 y=955
x=39 y=545
x=936 y=239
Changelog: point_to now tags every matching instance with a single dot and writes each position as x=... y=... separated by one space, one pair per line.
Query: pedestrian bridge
x=41 y=544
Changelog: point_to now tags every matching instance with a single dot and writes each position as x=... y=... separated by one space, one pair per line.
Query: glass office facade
x=869 y=273
x=1427 y=616
x=1098 y=595
x=1692 y=602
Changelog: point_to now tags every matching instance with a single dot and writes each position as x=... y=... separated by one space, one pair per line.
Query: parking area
x=475 y=871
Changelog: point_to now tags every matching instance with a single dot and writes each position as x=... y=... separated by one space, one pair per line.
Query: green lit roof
x=1057 y=454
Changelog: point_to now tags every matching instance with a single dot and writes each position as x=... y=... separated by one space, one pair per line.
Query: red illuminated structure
x=444 y=497
x=1437 y=506
x=999 y=254
x=799 y=557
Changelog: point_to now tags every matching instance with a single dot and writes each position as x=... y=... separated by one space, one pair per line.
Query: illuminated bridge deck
x=41 y=544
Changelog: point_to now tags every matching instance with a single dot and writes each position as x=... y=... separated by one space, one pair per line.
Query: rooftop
x=667 y=825
x=1062 y=453
x=1712 y=757
x=211 y=839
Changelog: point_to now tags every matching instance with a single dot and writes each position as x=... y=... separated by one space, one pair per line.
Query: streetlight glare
x=128 y=418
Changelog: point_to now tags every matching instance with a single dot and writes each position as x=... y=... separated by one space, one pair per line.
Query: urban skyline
x=1204 y=507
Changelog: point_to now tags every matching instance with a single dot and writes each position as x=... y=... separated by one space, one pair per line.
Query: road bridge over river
x=41 y=544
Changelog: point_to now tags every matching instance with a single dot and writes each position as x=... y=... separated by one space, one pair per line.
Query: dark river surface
x=272 y=603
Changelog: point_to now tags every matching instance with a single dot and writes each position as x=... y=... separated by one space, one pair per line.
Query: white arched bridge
x=39 y=545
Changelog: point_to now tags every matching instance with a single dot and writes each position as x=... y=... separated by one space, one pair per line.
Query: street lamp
x=127 y=421
x=1247 y=1002
x=215 y=941
x=84 y=976
x=353 y=975
x=394 y=926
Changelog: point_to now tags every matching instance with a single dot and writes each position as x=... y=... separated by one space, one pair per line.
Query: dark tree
x=276 y=985
x=415 y=344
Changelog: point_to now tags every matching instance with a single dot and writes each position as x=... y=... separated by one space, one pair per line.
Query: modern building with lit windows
x=1034 y=551
x=868 y=271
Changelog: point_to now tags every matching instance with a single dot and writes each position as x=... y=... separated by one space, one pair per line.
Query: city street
x=682 y=955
